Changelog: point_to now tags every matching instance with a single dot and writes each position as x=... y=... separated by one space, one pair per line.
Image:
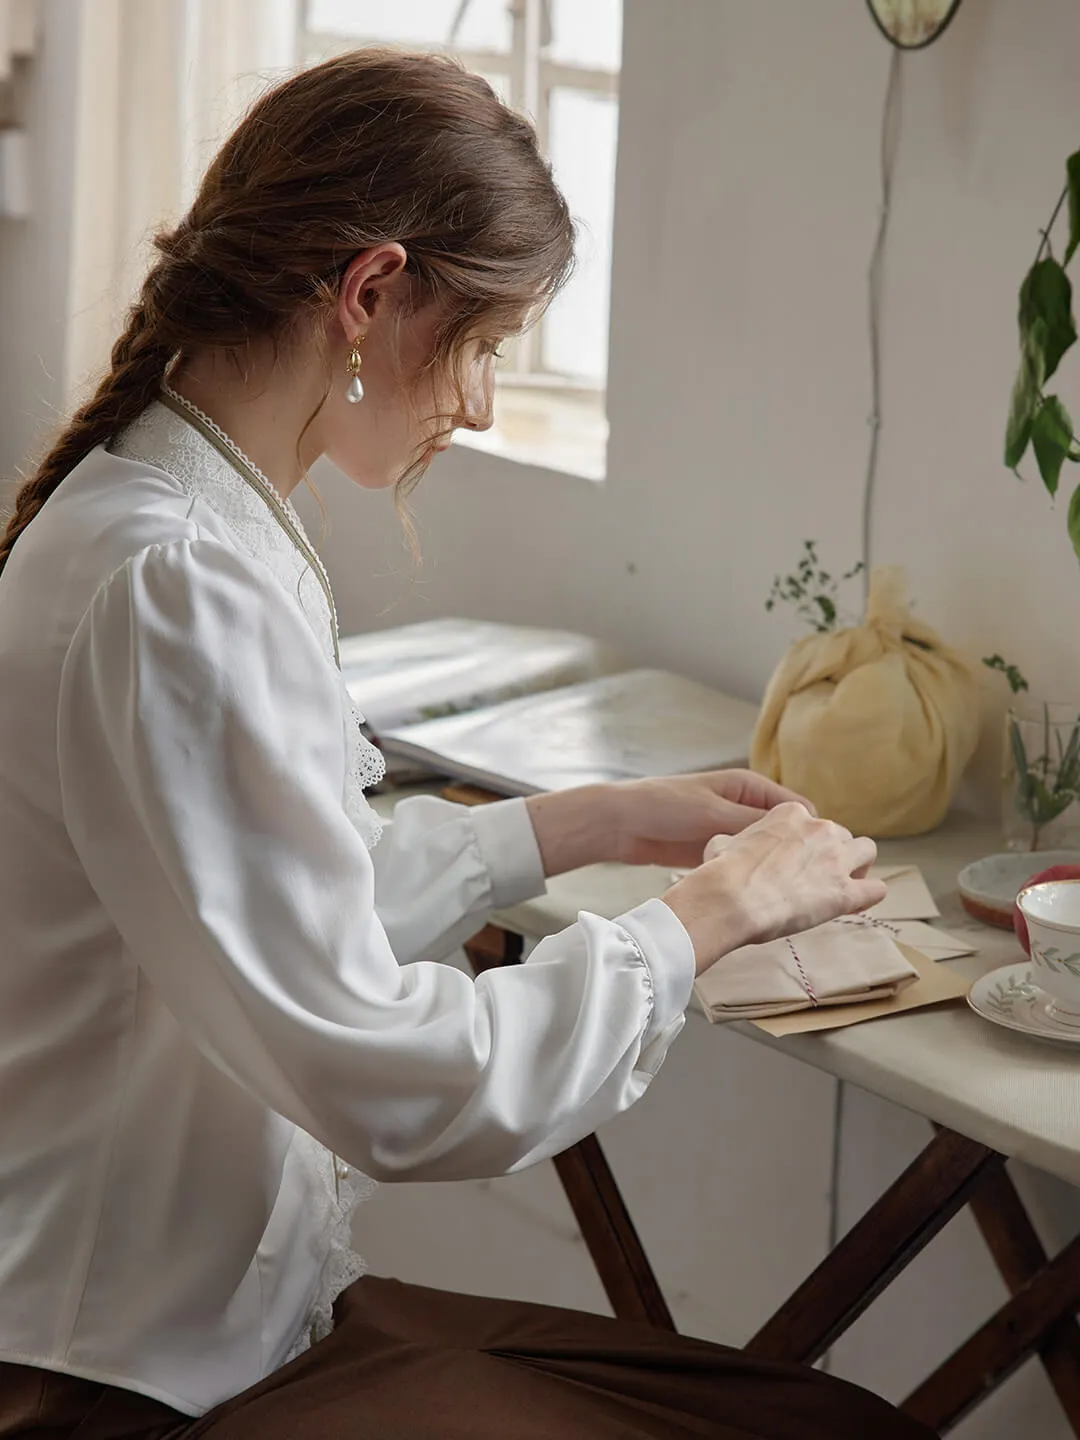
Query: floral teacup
x=1052 y=912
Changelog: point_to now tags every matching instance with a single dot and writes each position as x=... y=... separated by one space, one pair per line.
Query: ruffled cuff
x=667 y=954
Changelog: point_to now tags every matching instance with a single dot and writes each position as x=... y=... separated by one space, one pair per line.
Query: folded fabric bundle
x=841 y=963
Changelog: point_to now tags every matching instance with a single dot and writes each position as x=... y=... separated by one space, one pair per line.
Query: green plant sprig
x=1011 y=673
x=814 y=592
x=1047 y=332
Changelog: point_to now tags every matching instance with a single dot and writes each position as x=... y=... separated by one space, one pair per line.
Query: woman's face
x=409 y=407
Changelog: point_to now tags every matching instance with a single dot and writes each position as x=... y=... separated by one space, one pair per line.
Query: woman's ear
x=369 y=279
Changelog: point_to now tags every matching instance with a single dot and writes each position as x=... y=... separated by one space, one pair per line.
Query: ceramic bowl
x=989 y=886
x=1052 y=912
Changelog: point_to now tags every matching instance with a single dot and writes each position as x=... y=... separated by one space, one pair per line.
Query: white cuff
x=668 y=953
x=510 y=851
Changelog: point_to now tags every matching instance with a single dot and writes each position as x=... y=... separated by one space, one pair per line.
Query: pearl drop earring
x=354 y=391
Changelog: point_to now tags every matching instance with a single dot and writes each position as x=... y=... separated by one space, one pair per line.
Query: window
x=558 y=62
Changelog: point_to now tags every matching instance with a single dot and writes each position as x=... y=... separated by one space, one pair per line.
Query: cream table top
x=1019 y=1095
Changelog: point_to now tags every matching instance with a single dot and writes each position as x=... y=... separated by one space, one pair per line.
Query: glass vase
x=1041 y=809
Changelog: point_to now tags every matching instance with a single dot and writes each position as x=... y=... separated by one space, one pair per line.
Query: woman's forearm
x=575 y=827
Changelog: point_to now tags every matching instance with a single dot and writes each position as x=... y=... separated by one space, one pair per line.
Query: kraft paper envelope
x=935 y=944
x=909 y=897
x=936 y=983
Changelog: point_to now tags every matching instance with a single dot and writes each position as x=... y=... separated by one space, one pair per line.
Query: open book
x=617 y=727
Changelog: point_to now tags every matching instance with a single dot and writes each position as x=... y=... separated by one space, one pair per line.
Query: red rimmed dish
x=989 y=887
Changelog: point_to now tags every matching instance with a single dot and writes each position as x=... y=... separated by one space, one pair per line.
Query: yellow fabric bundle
x=874 y=724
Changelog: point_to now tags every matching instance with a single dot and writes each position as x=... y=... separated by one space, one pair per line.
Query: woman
x=219 y=992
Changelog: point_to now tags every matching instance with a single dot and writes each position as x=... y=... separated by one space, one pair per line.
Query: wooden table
x=991 y=1094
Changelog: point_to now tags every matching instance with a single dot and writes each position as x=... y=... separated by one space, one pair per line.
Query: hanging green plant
x=1047 y=332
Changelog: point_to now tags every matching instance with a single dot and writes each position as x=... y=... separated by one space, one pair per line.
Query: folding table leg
x=610 y=1236
x=491 y=947
x=870 y=1256
x=1019 y=1255
x=1006 y=1340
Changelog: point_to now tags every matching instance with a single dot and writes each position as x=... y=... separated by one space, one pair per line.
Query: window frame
x=531 y=78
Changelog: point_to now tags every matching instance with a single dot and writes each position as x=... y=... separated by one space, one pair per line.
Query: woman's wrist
x=717 y=925
x=575 y=827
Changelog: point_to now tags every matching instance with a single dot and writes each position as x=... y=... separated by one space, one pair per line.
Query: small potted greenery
x=1042 y=768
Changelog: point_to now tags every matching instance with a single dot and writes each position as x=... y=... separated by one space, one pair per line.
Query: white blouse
x=211 y=975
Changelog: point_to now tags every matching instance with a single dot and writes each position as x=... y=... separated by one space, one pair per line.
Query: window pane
x=499 y=83
x=586 y=34
x=485 y=25
x=582 y=142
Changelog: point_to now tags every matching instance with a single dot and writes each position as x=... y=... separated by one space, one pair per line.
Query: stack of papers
x=620 y=727
x=413 y=673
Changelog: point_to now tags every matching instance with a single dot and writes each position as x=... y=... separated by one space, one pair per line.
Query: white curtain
x=160 y=84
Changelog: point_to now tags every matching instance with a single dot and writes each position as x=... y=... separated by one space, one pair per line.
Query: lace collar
x=183 y=448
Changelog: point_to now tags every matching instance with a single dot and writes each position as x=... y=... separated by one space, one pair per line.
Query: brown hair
x=373 y=146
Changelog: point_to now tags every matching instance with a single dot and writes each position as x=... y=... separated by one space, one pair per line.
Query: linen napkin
x=844 y=962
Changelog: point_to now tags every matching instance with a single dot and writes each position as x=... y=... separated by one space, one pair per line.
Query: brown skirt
x=407 y=1363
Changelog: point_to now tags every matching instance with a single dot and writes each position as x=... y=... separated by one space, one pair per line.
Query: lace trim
x=261 y=479
x=231 y=444
x=341 y=1190
x=365 y=767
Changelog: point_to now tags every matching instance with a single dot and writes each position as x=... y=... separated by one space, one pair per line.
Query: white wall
x=34 y=253
x=745 y=215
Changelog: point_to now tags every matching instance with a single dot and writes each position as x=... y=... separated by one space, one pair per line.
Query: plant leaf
x=1024 y=787
x=1025 y=399
x=1051 y=439
x=828 y=610
x=1068 y=778
x=1050 y=806
x=1068 y=770
x=1074 y=521
x=1072 y=170
x=1046 y=295
x=1011 y=672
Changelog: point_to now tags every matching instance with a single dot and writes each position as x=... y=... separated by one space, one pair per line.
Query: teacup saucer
x=1010 y=997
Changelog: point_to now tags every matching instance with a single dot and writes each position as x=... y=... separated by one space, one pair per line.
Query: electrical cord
x=890 y=138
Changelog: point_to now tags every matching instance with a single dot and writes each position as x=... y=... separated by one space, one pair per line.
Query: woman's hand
x=785 y=873
x=666 y=821
x=669 y=821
